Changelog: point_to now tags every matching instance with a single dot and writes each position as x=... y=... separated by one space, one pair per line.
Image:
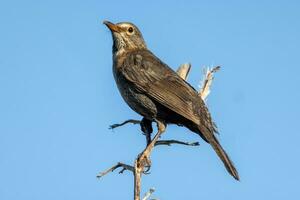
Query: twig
x=183 y=70
x=124 y=167
x=170 y=142
x=133 y=121
x=207 y=81
x=148 y=194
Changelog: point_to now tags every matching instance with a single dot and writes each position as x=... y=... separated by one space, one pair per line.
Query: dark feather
x=151 y=77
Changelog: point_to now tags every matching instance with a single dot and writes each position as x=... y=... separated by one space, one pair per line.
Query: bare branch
x=183 y=70
x=170 y=142
x=133 y=121
x=207 y=81
x=118 y=165
x=143 y=160
x=148 y=194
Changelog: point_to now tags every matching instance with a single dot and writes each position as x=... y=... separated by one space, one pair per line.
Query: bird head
x=126 y=37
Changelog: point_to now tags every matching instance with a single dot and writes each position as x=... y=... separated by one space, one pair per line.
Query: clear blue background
x=58 y=98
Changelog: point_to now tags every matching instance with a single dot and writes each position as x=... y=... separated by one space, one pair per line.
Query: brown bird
x=152 y=89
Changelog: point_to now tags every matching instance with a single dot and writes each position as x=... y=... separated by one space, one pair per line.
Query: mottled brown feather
x=150 y=76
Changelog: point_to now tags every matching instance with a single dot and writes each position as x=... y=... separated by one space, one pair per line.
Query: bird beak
x=112 y=27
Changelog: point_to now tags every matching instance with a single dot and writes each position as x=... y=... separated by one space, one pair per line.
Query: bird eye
x=130 y=30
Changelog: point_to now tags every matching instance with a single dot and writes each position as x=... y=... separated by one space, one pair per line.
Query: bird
x=156 y=92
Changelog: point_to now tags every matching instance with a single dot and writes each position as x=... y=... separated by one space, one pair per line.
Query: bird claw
x=144 y=159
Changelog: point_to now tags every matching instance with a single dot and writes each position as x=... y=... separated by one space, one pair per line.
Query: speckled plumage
x=156 y=92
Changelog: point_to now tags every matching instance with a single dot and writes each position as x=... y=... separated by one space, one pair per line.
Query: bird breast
x=137 y=101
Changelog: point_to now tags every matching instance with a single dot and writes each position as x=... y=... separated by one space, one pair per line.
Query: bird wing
x=152 y=77
x=160 y=83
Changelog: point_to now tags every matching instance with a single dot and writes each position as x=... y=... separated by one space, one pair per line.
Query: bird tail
x=224 y=157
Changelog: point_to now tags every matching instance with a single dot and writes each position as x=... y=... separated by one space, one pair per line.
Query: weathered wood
x=118 y=165
x=207 y=81
x=148 y=194
x=183 y=70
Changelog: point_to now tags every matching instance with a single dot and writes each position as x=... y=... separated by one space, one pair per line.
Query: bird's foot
x=143 y=159
x=145 y=162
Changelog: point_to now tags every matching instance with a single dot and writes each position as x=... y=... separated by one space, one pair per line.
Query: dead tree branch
x=118 y=165
x=183 y=70
x=148 y=194
x=207 y=81
x=132 y=121
x=170 y=142
x=143 y=160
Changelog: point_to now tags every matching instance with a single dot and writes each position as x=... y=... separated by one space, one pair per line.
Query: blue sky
x=58 y=98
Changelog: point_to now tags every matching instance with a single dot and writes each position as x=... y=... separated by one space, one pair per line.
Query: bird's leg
x=144 y=160
x=133 y=121
x=144 y=157
x=146 y=127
